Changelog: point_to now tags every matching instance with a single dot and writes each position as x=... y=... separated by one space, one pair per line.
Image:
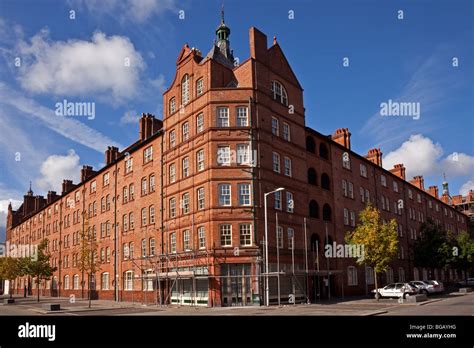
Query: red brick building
x=179 y=214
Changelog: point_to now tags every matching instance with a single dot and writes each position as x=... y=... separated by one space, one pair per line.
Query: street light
x=267 y=289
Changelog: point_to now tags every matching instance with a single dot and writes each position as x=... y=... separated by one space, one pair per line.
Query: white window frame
x=290 y=202
x=201 y=199
x=288 y=170
x=242 y=116
x=185 y=131
x=200 y=123
x=199 y=87
x=225 y=232
x=275 y=126
x=202 y=237
x=245 y=234
x=223 y=117
x=225 y=195
x=286 y=131
x=276 y=162
x=185 y=167
x=245 y=194
x=200 y=160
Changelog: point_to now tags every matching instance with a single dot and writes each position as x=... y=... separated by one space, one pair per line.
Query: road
x=449 y=304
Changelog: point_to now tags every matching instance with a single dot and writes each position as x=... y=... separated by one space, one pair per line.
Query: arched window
x=185 y=89
x=326 y=212
x=310 y=144
x=314 y=244
x=66 y=282
x=325 y=182
x=312 y=177
x=323 y=151
x=75 y=281
x=279 y=92
x=313 y=209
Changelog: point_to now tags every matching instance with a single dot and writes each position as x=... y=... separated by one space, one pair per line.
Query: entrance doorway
x=236 y=285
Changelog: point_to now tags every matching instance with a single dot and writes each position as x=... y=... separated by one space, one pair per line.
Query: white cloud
x=129 y=117
x=56 y=168
x=466 y=187
x=421 y=156
x=137 y=11
x=458 y=164
x=65 y=126
x=104 y=67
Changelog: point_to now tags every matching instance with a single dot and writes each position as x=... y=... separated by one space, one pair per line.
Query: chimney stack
x=111 y=154
x=28 y=204
x=457 y=199
x=342 y=136
x=470 y=196
x=39 y=202
x=149 y=125
x=375 y=156
x=419 y=182
x=86 y=172
x=398 y=170
x=258 y=45
x=433 y=190
x=51 y=196
x=67 y=186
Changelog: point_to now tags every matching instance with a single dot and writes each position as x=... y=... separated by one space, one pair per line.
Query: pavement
x=446 y=304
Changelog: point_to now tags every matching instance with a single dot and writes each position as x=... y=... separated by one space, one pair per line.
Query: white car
x=396 y=290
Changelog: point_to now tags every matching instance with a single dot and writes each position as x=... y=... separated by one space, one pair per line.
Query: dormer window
x=185 y=90
x=279 y=93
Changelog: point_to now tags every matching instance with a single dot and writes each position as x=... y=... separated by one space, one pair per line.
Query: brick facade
x=196 y=243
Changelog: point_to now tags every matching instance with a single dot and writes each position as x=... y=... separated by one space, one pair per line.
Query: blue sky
x=81 y=59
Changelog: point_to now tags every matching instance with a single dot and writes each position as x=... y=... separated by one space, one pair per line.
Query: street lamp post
x=267 y=289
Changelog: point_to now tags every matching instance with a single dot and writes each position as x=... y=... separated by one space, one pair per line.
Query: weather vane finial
x=222 y=12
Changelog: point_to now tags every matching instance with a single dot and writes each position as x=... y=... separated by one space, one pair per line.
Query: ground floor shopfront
x=236 y=284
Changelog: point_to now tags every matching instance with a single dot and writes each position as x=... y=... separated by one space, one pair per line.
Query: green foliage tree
x=10 y=269
x=38 y=266
x=432 y=248
x=379 y=238
x=462 y=252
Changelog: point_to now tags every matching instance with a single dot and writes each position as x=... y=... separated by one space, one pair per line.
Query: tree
x=39 y=267
x=10 y=269
x=431 y=250
x=88 y=262
x=378 y=238
x=462 y=251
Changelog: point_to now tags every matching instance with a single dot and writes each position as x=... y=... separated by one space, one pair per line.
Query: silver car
x=437 y=285
x=424 y=287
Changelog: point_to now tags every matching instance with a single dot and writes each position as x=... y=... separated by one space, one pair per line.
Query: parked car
x=423 y=286
x=462 y=283
x=437 y=285
x=396 y=290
